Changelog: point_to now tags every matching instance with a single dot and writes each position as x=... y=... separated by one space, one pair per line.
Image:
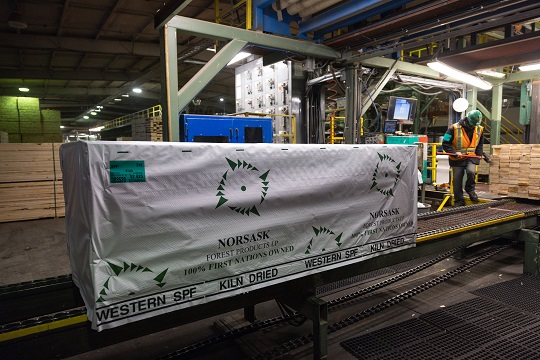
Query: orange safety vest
x=461 y=141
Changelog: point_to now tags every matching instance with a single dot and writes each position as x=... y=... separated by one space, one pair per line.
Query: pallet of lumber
x=147 y=129
x=30 y=182
x=515 y=171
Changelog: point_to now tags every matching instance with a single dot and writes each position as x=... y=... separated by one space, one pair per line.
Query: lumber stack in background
x=30 y=182
x=147 y=129
x=515 y=171
x=24 y=122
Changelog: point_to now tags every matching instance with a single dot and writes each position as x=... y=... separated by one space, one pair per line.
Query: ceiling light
x=491 y=73
x=85 y=117
x=221 y=99
x=62 y=126
x=241 y=55
x=16 y=20
x=93 y=113
x=459 y=75
x=137 y=90
x=117 y=99
x=98 y=128
x=24 y=89
x=125 y=95
x=530 y=67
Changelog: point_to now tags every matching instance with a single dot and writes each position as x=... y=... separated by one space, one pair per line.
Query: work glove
x=487 y=158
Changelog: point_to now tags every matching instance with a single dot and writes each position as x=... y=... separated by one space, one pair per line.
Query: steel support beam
x=169 y=83
x=534 y=127
x=377 y=89
x=496 y=114
x=44 y=42
x=206 y=29
x=531 y=239
x=170 y=9
x=352 y=105
x=197 y=83
x=316 y=310
x=91 y=75
x=401 y=66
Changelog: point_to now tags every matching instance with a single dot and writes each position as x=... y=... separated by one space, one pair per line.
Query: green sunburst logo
x=322 y=238
x=125 y=268
x=243 y=187
x=386 y=175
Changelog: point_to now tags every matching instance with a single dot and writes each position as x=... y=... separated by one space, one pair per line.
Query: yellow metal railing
x=126 y=120
x=224 y=18
x=433 y=157
x=510 y=129
x=333 y=138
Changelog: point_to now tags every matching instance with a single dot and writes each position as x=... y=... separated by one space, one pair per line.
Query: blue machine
x=225 y=129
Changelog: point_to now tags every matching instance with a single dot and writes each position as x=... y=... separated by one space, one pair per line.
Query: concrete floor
x=32 y=250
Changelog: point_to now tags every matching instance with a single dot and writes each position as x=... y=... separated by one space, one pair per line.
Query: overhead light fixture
x=240 y=56
x=491 y=73
x=125 y=95
x=62 y=126
x=221 y=99
x=24 y=89
x=117 y=99
x=459 y=75
x=137 y=90
x=93 y=113
x=16 y=20
x=85 y=117
x=530 y=67
x=96 y=129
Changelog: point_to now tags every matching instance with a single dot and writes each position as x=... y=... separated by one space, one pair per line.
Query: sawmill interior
x=269 y=179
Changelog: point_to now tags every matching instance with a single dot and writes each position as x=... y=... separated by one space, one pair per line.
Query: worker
x=466 y=137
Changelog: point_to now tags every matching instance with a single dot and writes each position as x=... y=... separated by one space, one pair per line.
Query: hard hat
x=474 y=117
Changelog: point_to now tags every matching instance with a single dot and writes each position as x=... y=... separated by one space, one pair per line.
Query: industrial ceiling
x=75 y=54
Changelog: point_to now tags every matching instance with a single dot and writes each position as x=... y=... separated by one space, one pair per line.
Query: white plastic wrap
x=155 y=227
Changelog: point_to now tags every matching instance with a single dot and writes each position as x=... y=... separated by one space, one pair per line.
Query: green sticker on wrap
x=124 y=171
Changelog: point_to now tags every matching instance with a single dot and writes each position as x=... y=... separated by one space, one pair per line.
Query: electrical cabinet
x=267 y=90
x=225 y=129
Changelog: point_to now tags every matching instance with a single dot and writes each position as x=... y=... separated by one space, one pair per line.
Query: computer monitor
x=390 y=126
x=402 y=109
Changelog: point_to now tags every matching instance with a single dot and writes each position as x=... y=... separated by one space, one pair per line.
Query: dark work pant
x=457 y=179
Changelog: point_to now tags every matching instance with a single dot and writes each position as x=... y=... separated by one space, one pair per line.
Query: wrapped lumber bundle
x=158 y=226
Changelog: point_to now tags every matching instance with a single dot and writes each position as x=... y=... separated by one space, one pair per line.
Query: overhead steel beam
x=401 y=66
x=64 y=91
x=90 y=75
x=222 y=32
x=99 y=46
x=207 y=72
x=167 y=12
x=371 y=96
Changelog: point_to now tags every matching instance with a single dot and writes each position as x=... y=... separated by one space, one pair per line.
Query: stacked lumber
x=9 y=118
x=483 y=167
x=515 y=171
x=23 y=120
x=147 y=129
x=30 y=182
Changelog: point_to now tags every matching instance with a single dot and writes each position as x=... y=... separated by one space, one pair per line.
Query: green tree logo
x=243 y=187
x=322 y=237
x=386 y=175
x=119 y=269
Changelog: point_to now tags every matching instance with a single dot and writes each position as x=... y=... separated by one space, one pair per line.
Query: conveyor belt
x=456 y=220
x=431 y=226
